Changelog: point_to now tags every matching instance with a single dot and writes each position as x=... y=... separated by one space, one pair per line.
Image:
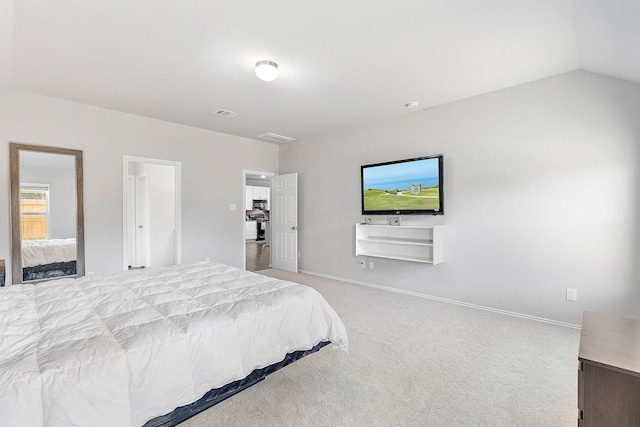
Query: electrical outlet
x=572 y=294
x=362 y=264
x=371 y=265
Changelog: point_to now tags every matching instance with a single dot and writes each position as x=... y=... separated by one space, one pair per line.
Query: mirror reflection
x=45 y=207
x=47 y=215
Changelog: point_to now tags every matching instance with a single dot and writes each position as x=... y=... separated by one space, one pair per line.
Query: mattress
x=40 y=252
x=122 y=349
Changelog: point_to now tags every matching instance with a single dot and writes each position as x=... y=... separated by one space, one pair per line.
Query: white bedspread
x=39 y=252
x=121 y=349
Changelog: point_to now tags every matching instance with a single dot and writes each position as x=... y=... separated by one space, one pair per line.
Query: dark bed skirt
x=217 y=395
x=49 y=271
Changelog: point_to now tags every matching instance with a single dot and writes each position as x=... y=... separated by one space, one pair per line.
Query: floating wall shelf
x=418 y=243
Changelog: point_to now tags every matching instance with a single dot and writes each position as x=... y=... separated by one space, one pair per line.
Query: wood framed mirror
x=47 y=216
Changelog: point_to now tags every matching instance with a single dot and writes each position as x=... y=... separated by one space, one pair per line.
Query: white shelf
x=397 y=241
x=417 y=243
x=401 y=258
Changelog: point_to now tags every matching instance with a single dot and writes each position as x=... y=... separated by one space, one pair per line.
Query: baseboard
x=450 y=301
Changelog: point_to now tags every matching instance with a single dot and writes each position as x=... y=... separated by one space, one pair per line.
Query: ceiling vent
x=274 y=137
x=226 y=113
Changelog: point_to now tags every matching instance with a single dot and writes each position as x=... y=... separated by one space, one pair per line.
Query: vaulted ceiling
x=341 y=62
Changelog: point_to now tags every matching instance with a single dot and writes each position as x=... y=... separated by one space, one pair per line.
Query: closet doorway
x=257 y=209
x=151 y=212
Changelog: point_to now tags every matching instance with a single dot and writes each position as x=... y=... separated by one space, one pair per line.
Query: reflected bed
x=48 y=259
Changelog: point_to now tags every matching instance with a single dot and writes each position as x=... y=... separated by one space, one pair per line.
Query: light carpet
x=415 y=362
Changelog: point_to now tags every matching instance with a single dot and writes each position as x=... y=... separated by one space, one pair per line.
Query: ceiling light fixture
x=266 y=70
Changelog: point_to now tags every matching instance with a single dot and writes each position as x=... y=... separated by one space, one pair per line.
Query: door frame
x=125 y=204
x=246 y=172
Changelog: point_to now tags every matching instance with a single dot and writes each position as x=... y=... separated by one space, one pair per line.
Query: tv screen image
x=410 y=186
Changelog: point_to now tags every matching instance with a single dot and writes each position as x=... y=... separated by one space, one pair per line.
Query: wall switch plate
x=232 y=207
x=371 y=265
x=207 y=259
x=572 y=294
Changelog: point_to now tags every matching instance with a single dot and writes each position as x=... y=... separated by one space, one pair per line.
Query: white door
x=142 y=222
x=131 y=221
x=284 y=222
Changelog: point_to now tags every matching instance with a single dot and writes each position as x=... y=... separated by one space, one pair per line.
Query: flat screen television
x=410 y=186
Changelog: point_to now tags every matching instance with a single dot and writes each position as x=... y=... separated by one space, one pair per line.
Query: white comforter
x=121 y=349
x=40 y=252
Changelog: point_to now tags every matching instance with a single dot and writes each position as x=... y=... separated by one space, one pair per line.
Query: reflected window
x=34 y=211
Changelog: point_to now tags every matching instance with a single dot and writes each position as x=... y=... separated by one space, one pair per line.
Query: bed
x=142 y=346
x=46 y=259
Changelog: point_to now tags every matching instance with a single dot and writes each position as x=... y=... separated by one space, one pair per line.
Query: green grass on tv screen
x=379 y=200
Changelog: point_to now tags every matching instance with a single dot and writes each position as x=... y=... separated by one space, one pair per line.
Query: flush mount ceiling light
x=266 y=70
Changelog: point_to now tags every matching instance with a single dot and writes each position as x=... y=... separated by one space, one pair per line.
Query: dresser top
x=611 y=341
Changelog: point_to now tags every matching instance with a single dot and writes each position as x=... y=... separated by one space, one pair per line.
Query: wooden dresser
x=609 y=372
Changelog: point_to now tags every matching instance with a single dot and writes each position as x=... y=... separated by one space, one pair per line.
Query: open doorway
x=151 y=212
x=257 y=232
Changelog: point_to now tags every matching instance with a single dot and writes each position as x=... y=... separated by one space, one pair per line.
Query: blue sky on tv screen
x=401 y=175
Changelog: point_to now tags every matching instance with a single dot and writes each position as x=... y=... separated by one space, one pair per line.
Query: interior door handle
x=294 y=228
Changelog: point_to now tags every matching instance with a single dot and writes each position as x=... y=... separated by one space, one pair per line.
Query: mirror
x=47 y=219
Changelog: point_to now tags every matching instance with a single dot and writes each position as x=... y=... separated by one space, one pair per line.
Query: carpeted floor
x=416 y=362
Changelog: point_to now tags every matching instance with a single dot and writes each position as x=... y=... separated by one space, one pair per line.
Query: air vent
x=226 y=113
x=274 y=137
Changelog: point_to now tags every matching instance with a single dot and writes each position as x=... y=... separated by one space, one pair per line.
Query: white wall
x=6 y=43
x=162 y=201
x=212 y=173
x=542 y=193
x=258 y=183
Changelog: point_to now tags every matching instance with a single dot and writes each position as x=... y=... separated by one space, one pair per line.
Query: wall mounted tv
x=410 y=186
